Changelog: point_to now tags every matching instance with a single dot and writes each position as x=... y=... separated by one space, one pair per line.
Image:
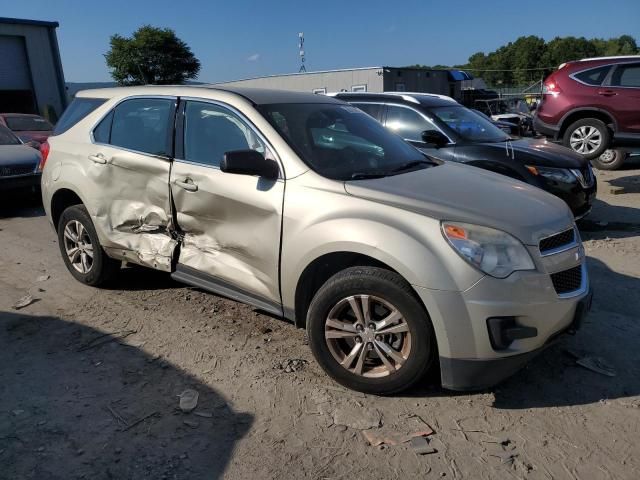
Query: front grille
x=16 y=170
x=567 y=280
x=557 y=241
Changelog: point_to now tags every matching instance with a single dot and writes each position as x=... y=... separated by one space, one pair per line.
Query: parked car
x=31 y=129
x=442 y=128
x=507 y=127
x=308 y=209
x=592 y=104
x=19 y=165
x=511 y=110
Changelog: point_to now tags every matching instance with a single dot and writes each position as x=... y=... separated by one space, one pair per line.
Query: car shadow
x=554 y=379
x=24 y=204
x=76 y=402
x=137 y=278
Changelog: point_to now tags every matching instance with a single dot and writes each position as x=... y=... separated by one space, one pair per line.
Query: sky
x=236 y=39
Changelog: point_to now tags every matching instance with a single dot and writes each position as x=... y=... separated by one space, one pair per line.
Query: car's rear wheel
x=369 y=332
x=589 y=137
x=81 y=250
x=611 y=159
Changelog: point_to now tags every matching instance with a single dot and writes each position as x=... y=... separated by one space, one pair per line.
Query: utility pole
x=301 y=52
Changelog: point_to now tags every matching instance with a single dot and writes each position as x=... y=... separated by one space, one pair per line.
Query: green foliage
x=530 y=58
x=153 y=56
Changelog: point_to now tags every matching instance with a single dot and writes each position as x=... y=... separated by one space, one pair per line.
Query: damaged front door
x=130 y=169
x=231 y=223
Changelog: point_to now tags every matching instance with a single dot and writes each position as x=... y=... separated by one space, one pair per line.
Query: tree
x=151 y=56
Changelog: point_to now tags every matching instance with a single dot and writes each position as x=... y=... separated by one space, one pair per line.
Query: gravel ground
x=90 y=381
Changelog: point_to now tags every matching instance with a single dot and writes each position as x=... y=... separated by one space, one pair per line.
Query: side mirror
x=434 y=137
x=249 y=162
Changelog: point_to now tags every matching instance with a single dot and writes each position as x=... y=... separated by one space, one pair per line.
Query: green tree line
x=531 y=58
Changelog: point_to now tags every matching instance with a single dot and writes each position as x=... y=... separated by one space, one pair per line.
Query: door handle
x=187 y=184
x=98 y=158
x=607 y=93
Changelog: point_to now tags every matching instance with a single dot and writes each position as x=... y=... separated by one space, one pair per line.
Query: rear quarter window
x=79 y=109
x=593 y=76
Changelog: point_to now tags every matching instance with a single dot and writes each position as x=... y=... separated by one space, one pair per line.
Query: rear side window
x=626 y=76
x=25 y=124
x=140 y=124
x=373 y=109
x=79 y=108
x=593 y=76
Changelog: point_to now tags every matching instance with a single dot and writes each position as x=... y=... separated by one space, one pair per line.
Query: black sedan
x=19 y=163
x=444 y=129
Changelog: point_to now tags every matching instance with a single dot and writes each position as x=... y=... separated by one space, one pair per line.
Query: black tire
x=605 y=136
x=103 y=268
x=389 y=287
x=611 y=159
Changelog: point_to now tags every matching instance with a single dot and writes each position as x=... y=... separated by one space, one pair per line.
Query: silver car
x=307 y=208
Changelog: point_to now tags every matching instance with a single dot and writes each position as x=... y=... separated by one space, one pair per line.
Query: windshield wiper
x=367 y=175
x=412 y=164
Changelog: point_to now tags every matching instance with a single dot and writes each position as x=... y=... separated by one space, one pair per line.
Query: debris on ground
x=415 y=427
x=191 y=423
x=616 y=190
x=106 y=338
x=358 y=417
x=292 y=365
x=43 y=278
x=420 y=446
x=24 y=302
x=203 y=414
x=188 y=400
x=598 y=365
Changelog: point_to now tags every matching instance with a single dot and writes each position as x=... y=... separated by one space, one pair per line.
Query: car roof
x=257 y=96
x=425 y=99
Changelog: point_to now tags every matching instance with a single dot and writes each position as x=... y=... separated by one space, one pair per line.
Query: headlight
x=557 y=174
x=494 y=252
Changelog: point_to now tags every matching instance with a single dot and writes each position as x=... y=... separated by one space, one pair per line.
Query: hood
x=541 y=153
x=18 y=155
x=462 y=193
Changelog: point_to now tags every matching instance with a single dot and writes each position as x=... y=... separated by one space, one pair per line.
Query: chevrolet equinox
x=307 y=208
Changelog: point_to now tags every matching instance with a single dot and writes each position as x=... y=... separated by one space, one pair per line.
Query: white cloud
x=253 y=58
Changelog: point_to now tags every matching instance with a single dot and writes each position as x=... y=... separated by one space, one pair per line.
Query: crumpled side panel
x=132 y=208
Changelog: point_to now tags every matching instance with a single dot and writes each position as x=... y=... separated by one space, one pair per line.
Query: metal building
x=369 y=79
x=31 y=78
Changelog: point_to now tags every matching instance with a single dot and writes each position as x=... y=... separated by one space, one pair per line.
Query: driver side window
x=211 y=130
x=407 y=123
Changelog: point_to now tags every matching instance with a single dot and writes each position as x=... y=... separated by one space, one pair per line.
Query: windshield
x=8 y=138
x=23 y=124
x=468 y=125
x=341 y=141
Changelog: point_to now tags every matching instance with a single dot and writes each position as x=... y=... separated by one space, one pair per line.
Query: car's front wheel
x=589 y=137
x=369 y=332
x=81 y=250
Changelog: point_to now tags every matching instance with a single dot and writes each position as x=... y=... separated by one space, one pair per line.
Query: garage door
x=14 y=67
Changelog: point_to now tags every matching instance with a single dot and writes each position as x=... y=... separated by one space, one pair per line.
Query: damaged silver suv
x=308 y=209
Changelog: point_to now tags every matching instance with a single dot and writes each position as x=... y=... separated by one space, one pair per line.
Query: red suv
x=591 y=104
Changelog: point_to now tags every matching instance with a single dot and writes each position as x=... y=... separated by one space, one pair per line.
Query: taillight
x=551 y=88
x=44 y=151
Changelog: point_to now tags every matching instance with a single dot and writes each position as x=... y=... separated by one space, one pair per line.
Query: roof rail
x=406 y=96
x=613 y=57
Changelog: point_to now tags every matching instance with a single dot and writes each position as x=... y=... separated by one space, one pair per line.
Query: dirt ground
x=89 y=380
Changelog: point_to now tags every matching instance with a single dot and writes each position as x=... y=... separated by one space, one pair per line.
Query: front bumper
x=467 y=358
x=20 y=182
x=473 y=374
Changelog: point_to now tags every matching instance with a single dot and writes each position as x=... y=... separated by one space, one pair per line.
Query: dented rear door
x=130 y=159
x=230 y=224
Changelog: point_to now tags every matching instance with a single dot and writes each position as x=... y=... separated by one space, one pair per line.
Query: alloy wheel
x=585 y=139
x=608 y=156
x=368 y=336
x=78 y=246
